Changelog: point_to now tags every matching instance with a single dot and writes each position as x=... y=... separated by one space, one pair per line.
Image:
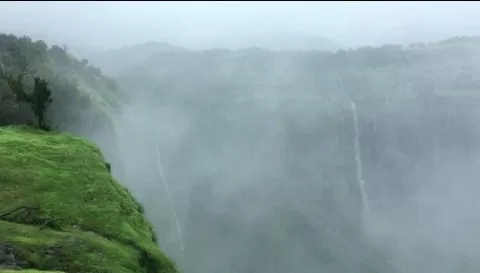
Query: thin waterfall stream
x=358 y=158
x=170 y=198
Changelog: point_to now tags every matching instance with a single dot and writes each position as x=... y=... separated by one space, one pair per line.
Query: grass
x=28 y=271
x=66 y=179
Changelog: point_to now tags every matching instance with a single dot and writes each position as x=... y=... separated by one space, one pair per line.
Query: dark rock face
x=8 y=259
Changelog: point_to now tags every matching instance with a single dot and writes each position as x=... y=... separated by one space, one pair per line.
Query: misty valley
x=277 y=161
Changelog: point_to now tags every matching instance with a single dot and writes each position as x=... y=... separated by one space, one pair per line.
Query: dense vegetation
x=258 y=148
x=63 y=211
x=84 y=100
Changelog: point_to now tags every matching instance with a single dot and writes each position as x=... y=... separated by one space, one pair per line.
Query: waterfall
x=358 y=158
x=170 y=198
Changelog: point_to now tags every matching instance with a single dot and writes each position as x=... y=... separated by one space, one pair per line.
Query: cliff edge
x=62 y=211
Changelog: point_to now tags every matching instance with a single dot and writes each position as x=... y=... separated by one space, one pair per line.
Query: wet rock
x=7 y=257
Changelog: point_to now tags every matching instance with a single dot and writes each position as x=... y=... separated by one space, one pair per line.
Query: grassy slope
x=100 y=227
x=28 y=271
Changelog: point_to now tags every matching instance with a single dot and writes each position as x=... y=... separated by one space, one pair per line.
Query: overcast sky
x=196 y=24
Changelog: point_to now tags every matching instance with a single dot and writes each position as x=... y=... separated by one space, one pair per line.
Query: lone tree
x=39 y=100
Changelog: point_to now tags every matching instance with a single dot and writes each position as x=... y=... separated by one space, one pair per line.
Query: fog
x=278 y=160
x=103 y=25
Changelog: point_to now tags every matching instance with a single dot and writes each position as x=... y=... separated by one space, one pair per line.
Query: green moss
x=27 y=271
x=65 y=179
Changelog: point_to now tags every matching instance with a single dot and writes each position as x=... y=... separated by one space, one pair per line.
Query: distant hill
x=278 y=40
x=114 y=61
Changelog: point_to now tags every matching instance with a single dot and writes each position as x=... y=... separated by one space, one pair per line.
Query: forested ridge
x=84 y=100
x=76 y=85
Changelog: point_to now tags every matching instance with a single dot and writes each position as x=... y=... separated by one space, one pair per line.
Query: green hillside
x=64 y=212
x=84 y=97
